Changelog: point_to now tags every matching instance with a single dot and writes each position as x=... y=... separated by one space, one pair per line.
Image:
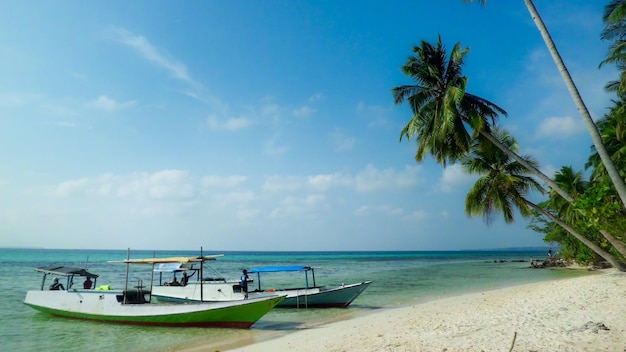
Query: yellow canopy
x=169 y=260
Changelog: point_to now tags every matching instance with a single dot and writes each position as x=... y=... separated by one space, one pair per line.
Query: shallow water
x=400 y=278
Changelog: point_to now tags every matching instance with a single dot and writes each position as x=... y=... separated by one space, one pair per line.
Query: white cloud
x=303 y=111
x=237 y=197
x=387 y=210
x=314 y=199
x=152 y=54
x=369 y=180
x=17 y=100
x=162 y=185
x=418 y=215
x=69 y=188
x=170 y=184
x=560 y=127
x=316 y=97
x=107 y=104
x=229 y=124
x=324 y=182
x=452 y=177
x=373 y=179
x=272 y=149
x=277 y=183
x=342 y=142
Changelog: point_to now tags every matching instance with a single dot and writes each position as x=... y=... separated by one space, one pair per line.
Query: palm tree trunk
x=527 y=165
x=594 y=247
x=619 y=245
x=616 y=179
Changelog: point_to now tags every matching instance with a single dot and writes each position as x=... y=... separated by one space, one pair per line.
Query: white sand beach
x=579 y=314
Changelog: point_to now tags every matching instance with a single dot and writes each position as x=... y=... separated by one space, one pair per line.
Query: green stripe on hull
x=240 y=316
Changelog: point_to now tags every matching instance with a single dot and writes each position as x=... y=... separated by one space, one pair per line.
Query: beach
x=575 y=314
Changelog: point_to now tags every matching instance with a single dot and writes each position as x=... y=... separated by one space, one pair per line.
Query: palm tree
x=504 y=187
x=613 y=130
x=575 y=184
x=617 y=181
x=615 y=29
x=504 y=184
x=442 y=108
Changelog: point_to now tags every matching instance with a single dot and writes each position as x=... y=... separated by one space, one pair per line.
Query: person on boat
x=56 y=285
x=243 y=282
x=175 y=282
x=88 y=283
x=186 y=278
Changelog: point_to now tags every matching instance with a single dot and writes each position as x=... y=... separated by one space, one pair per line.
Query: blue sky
x=267 y=125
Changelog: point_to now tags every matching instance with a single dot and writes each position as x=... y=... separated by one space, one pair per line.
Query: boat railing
x=133 y=297
x=306 y=296
x=212 y=279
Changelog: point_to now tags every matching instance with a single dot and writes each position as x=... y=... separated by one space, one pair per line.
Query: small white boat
x=135 y=306
x=310 y=295
x=216 y=288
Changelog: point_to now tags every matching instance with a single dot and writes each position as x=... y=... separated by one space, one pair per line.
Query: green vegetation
x=587 y=218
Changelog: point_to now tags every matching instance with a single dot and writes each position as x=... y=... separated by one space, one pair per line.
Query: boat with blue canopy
x=311 y=295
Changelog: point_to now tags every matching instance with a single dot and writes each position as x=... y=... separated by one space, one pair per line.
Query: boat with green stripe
x=135 y=306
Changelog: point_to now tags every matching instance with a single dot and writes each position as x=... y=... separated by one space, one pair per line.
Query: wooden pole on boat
x=152 y=276
x=201 y=275
x=306 y=289
x=127 y=268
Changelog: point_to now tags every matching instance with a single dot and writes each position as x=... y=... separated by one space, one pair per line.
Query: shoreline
x=573 y=314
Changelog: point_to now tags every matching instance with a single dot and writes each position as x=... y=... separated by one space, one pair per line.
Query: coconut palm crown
x=440 y=105
x=504 y=183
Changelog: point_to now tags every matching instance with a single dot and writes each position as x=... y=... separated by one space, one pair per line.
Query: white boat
x=310 y=295
x=135 y=306
x=217 y=288
x=194 y=279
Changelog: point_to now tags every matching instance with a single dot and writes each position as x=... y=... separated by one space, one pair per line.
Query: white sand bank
x=563 y=315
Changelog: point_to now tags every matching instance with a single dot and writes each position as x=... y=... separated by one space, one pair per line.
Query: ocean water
x=400 y=278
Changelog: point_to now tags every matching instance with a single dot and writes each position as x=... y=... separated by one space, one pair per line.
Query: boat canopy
x=279 y=268
x=65 y=271
x=172 y=267
x=169 y=260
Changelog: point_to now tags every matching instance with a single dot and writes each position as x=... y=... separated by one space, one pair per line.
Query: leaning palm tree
x=504 y=187
x=443 y=109
x=617 y=181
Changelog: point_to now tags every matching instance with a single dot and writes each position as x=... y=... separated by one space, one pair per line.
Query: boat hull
x=105 y=306
x=208 y=291
x=337 y=297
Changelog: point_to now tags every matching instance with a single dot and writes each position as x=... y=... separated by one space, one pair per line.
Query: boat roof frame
x=61 y=270
x=197 y=259
x=280 y=268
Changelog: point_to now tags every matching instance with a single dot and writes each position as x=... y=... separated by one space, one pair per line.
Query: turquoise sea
x=400 y=278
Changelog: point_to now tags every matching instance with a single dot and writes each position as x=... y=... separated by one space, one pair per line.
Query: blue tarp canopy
x=279 y=268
